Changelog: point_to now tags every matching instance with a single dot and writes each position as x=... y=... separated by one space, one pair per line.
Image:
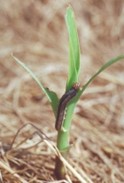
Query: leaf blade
x=102 y=68
x=52 y=96
x=74 y=49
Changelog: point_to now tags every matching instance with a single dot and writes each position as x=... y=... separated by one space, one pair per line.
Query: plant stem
x=63 y=146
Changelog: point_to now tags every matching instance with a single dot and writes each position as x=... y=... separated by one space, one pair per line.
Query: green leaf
x=52 y=97
x=74 y=49
x=105 y=66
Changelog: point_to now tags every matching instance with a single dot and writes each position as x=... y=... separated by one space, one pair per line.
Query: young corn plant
x=63 y=108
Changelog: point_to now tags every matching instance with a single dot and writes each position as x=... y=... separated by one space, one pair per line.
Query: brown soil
x=35 y=32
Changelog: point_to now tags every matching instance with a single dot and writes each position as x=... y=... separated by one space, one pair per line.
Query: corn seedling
x=63 y=108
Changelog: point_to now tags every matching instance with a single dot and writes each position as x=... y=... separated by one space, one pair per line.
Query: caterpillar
x=65 y=99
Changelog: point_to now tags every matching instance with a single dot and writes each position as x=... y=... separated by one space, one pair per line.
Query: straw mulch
x=35 y=32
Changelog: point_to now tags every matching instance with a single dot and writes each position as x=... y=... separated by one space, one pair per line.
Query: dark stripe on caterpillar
x=65 y=99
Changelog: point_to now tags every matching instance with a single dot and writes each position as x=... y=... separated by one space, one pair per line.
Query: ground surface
x=35 y=32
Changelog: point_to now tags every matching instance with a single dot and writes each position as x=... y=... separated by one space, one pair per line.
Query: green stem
x=63 y=146
x=63 y=142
